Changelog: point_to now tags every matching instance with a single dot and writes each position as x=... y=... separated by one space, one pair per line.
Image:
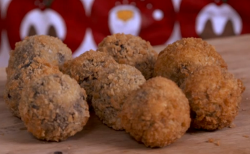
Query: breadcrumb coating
x=48 y=48
x=111 y=88
x=178 y=60
x=53 y=107
x=130 y=50
x=21 y=78
x=84 y=69
x=214 y=96
x=157 y=114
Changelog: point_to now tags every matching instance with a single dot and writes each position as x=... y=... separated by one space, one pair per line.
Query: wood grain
x=97 y=138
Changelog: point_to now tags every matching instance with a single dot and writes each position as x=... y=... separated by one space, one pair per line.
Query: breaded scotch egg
x=21 y=78
x=48 y=48
x=53 y=107
x=178 y=60
x=84 y=69
x=214 y=96
x=130 y=50
x=111 y=88
x=157 y=114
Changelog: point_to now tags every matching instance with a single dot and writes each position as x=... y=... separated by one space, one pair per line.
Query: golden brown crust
x=53 y=107
x=48 y=48
x=214 y=97
x=130 y=50
x=21 y=78
x=178 y=60
x=111 y=88
x=84 y=69
x=157 y=114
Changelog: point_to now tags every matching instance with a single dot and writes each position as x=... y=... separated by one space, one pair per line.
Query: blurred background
x=82 y=24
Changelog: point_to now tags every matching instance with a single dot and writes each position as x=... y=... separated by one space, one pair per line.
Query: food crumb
x=217 y=143
x=210 y=140
x=232 y=125
x=246 y=136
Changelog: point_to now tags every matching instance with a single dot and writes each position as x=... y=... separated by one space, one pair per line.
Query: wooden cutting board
x=97 y=138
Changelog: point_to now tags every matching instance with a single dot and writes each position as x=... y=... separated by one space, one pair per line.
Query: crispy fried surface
x=48 y=48
x=111 y=88
x=21 y=78
x=214 y=97
x=84 y=69
x=157 y=114
x=131 y=50
x=178 y=60
x=53 y=107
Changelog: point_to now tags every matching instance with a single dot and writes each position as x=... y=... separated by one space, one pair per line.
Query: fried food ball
x=178 y=60
x=84 y=69
x=110 y=90
x=130 y=50
x=157 y=114
x=214 y=96
x=48 y=48
x=53 y=107
x=21 y=77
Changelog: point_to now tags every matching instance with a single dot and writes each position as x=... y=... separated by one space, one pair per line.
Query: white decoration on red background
x=158 y=14
x=41 y=20
x=176 y=34
x=131 y=26
x=87 y=6
x=4 y=45
x=5 y=49
x=87 y=44
x=219 y=15
x=176 y=4
x=4 y=7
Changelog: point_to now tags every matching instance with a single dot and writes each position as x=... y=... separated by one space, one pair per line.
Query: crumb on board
x=217 y=143
x=246 y=136
x=232 y=125
x=211 y=140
